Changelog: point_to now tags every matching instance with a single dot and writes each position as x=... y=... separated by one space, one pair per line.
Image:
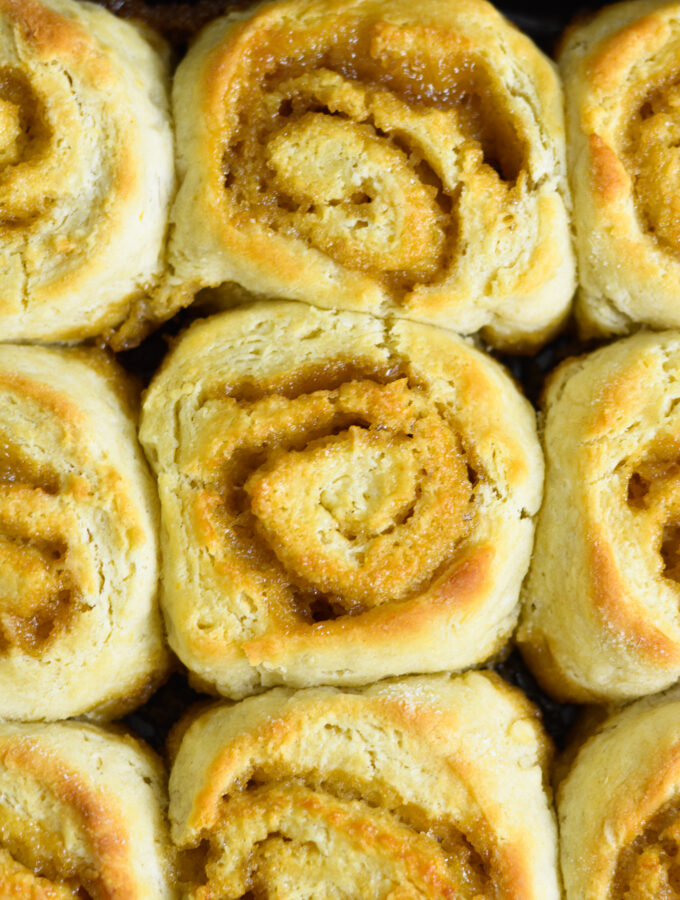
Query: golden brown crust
x=391 y=789
x=609 y=176
x=79 y=627
x=87 y=171
x=600 y=617
x=621 y=86
x=342 y=499
x=366 y=155
x=610 y=593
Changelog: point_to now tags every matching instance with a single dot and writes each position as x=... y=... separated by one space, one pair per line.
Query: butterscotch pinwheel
x=413 y=790
x=619 y=810
x=86 y=173
x=79 y=625
x=622 y=86
x=82 y=816
x=601 y=619
x=377 y=155
x=342 y=499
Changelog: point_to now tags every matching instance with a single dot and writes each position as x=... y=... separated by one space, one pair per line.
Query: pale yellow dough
x=622 y=87
x=86 y=174
x=600 y=604
x=81 y=810
x=80 y=630
x=342 y=498
x=384 y=156
x=413 y=789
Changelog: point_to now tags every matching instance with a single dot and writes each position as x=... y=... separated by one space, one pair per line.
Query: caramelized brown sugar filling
x=36 y=863
x=330 y=837
x=653 y=494
x=25 y=136
x=342 y=135
x=331 y=500
x=649 y=867
x=653 y=159
x=38 y=596
x=16 y=469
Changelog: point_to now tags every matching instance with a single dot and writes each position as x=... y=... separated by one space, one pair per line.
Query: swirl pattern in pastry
x=79 y=625
x=82 y=816
x=622 y=83
x=390 y=792
x=601 y=618
x=372 y=156
x=619 y=810
x=342 y=499
x=86 y=173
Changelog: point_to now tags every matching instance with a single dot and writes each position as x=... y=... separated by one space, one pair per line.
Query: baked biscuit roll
x=86 y=172
x=421 y=788
x=80 y=630
x=622 y=85
x=342 y=499
x=619 y=807
x=601 y=619
x=380 y=156
x=82 y=815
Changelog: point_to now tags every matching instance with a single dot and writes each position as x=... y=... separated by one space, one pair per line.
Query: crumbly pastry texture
x=80 y=630
x=600 y=603
x=622 y=90
x=380 y=156
x=82 y=814
x=86 y=173
x=416 y=788
x=342 y=498
x=619 y=807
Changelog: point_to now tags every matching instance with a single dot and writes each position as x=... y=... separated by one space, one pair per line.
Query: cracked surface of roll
x=80 y=630
x=600 y=603
x=342 y=498
x=619 y=807
x=86 y=172
x=418 y=788
x=377 y=156
x=82 y=816
x=622 y=86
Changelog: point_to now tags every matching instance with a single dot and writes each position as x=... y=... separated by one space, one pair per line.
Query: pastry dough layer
x=342 y=499
x=86 y=172
x=79 y=626
x=82 y=814
x=377 y=156
x=622 y=86
x=619 y=807
x=601 y=616
x=419 y=788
